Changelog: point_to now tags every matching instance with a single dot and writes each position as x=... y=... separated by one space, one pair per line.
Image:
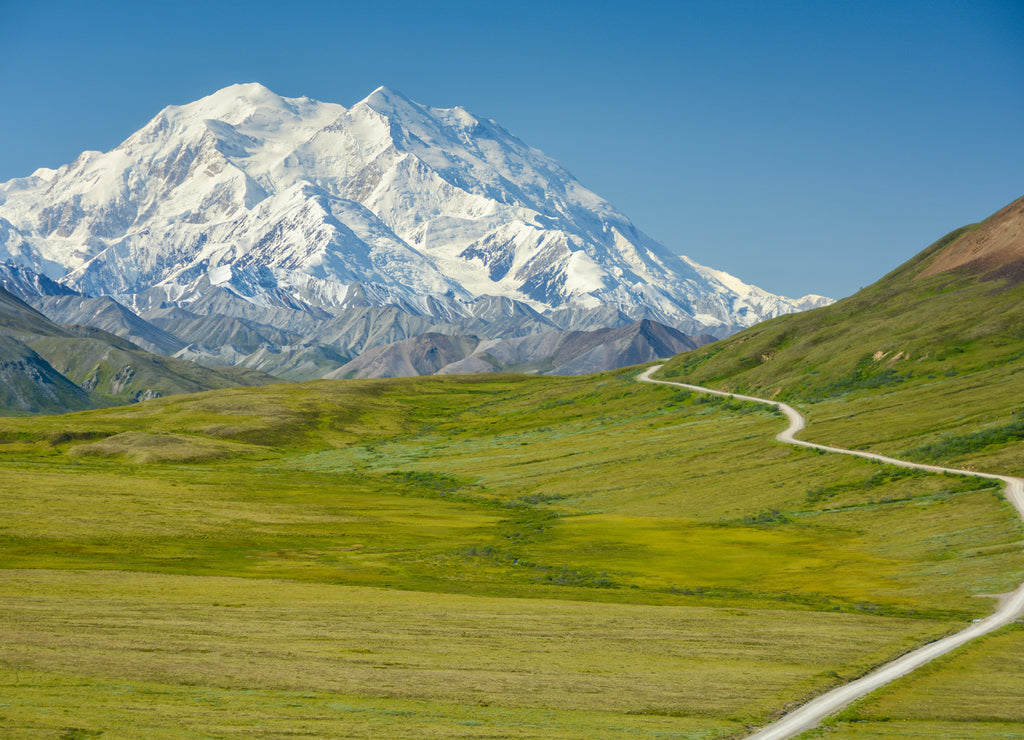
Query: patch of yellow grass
x=143 y=447
x=974 y=692
x=215 y=639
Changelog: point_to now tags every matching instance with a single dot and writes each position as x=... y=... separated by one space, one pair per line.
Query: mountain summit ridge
x=288 y=201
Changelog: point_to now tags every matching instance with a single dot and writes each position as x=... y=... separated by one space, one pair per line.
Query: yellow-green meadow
x=478 y=556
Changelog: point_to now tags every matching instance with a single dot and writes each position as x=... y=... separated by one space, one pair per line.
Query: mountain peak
x=247 y=89
x=231 y=104
x=395 y=105
x=299 y=200
x=253 y=93
x=253 y=102
x=391 y=103
x=383 y=92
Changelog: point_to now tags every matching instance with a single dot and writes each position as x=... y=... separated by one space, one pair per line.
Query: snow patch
x=583 y=274
x=219 y=275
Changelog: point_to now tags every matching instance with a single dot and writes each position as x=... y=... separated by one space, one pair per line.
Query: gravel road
x=1010 y=608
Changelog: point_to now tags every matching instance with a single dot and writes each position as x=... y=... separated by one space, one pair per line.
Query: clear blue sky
x=802 y=146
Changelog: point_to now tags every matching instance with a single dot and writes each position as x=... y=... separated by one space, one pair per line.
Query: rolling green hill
x=925 y=363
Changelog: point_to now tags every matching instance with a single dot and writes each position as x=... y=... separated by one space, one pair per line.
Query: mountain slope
x=30 y=385
x=425 y=354
x=993 y=250
x=17 y=317
x=116 y=371
x=297 y=203
x=46 y=368
x=27 y=284
x=551 y=353
x=934 y=313
x=941 y=338
x=107 y=314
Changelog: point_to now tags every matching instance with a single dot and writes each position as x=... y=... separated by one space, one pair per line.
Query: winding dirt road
x=1010 y=608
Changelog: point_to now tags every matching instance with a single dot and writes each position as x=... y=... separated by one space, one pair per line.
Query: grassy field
x=212 y=641
x=491 y=556
x=974 y=692
x=985 y=431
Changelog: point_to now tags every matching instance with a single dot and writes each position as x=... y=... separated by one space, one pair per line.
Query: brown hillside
x=995 y=249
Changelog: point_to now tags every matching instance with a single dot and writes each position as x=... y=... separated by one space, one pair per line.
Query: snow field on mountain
x=293 y=201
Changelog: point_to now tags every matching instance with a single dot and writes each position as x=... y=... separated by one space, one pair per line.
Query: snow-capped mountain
x=293 y=202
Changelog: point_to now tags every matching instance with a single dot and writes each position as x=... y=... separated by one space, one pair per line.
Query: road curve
x=811 y=714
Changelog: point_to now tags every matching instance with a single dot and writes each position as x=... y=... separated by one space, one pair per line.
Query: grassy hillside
x=463 y=556
x=925 y=363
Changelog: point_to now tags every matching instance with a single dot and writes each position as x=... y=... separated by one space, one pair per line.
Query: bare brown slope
x=995 y=249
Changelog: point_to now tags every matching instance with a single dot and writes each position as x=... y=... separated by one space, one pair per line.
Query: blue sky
x=802 y=146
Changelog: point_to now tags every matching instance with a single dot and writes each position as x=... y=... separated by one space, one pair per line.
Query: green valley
x=510 y=552
x=523 y=556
